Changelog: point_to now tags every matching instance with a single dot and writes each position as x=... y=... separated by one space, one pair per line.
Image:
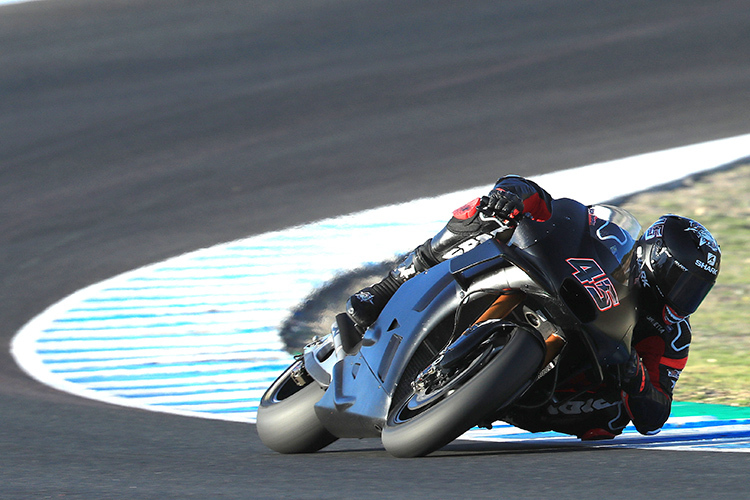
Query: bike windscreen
x=616 y=228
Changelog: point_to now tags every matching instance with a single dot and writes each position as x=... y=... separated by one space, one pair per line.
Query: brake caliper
x=431 y=378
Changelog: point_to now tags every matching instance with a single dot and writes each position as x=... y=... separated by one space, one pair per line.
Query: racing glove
x=501 y=204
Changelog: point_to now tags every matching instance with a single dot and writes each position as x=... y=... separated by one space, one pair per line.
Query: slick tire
x=500 y=381
x=286 y=420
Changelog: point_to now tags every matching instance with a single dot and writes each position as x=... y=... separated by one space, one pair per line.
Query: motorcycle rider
x=676 y=263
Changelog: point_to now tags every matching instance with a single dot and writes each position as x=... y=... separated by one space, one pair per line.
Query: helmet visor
x=687 y=293
x=682 y=290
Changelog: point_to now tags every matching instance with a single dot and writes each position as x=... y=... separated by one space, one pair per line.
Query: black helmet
x=679 y=260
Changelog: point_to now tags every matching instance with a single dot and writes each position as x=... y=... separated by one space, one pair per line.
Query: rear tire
x=413 y=432
x=286 y=420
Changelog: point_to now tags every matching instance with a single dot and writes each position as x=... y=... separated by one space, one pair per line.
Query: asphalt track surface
x=135 y=131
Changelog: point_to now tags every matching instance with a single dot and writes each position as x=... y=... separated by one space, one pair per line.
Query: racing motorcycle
x=497 y=327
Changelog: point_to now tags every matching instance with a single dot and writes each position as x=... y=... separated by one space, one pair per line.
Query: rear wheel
x=442 y=406
x=286 y=420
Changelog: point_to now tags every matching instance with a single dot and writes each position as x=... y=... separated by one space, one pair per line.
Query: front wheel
x=286 y=420
x=430 y=418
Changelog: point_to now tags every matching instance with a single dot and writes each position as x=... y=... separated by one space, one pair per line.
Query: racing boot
x=365 y=306
x=467 y=228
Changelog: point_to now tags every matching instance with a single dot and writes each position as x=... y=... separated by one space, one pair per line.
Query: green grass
x=718 y=369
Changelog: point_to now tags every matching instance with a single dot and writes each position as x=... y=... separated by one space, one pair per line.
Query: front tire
x=415 y=429
x=286 y=420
